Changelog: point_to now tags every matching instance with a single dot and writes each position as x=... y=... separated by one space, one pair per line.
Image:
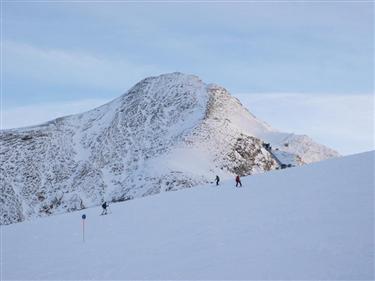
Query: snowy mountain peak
x=167 y=132
x=169 y=82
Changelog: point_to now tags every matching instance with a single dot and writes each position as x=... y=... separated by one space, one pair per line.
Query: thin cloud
x=63 y=67
x=343 y=122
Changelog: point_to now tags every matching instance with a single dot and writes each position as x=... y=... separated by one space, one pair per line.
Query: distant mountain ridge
x=167 y=132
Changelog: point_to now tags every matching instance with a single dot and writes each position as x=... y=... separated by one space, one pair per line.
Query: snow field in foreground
x=311 y=222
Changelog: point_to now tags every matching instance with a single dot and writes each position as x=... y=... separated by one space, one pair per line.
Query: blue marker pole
x=83 y=227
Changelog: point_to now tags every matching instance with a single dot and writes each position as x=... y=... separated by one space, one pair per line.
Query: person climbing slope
x=217 y=179
x=238 y=181
x=104 y=206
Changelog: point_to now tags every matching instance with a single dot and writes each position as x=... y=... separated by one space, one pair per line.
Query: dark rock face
x=246 y=156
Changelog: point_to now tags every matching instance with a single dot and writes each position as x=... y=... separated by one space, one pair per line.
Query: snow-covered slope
x=314 y=222
x=167 y=132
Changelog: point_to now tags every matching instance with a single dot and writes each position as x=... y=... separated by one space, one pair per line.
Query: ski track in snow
x=311 y=222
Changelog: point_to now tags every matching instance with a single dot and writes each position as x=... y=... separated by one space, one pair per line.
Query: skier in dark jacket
x=217 y=179
x=104 y=206
x=238 y=181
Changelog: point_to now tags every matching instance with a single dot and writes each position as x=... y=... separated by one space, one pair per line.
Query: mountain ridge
x=167 y=132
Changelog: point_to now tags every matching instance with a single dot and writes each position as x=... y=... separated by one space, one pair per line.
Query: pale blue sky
x=70 y=52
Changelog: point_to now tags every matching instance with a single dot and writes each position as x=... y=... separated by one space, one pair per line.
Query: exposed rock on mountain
x=167 y=132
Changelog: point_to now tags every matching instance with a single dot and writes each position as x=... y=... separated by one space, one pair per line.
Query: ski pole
x=83 y=227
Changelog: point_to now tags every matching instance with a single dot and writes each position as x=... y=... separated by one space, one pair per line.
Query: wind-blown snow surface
x=167 y=132
x=310 y=222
